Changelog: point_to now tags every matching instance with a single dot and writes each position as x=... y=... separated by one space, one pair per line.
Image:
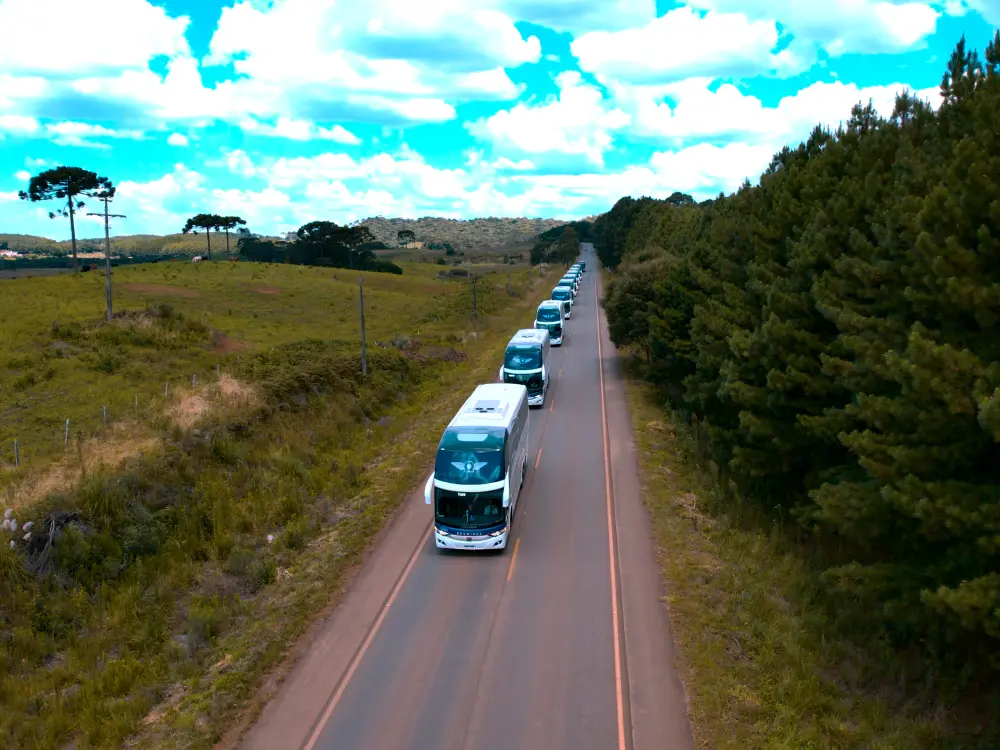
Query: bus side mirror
x=506 y=492
x=428 y=489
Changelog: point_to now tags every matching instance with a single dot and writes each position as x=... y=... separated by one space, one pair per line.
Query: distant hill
x=125 y=244
x=461 y=234
x=28 y=243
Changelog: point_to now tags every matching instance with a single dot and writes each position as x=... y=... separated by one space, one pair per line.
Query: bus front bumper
x=538 y=400
x=473 y=541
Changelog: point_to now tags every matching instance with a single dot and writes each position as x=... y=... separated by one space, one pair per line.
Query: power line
x=106 y=197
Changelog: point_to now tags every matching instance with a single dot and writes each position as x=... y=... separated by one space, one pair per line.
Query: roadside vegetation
x=155 y=570
x=830 y=338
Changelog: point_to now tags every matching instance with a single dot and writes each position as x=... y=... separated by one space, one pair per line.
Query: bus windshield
x=471 y=455
x=470 y=510
x=548 y=315
x=522 y=357
x=561 y=293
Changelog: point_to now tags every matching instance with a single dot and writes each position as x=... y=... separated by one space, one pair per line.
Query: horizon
x=552 y=109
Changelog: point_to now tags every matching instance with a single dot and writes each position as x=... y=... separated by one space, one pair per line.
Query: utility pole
x=475 y=304
x=364 y=352
x=106 y=197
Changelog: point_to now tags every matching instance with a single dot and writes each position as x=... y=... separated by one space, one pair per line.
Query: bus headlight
x=501 y=532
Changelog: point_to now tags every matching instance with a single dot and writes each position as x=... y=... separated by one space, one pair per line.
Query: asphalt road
x=561 y=641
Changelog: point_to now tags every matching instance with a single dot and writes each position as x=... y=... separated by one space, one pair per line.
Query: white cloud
x=66 y=37
x=8 y=197
x=580 y=16
x=684 y=43
x=338 y=187
x=18 y=125
x=842 y=26
x=504 y=163
x=727 y=114
x=300 y=130
x=79 y=134
x=249 y=204
x=23 y=175
x=29 y=162
x=396 y=61
x=177 y=139
x=575 y=124
x=162 y=205
x=988 y=9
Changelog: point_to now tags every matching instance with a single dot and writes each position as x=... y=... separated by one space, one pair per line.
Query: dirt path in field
x=164 y=289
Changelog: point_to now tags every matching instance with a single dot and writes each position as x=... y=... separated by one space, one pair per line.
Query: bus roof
x=529 y=336
x=552 y=303
x=491 y=405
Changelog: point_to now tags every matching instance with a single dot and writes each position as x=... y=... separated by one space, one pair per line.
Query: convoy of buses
x=483 y=454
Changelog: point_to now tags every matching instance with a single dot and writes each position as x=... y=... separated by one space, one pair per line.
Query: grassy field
x=177 y=554
x=55 y=364
x=765 y=662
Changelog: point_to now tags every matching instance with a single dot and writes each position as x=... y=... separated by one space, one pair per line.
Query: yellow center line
x=538 y=458
x=619 y=687
x=513 y=558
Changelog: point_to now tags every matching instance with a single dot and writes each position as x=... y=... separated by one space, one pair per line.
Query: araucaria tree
x=208 y=222
x=231 y=222
x=68 y=184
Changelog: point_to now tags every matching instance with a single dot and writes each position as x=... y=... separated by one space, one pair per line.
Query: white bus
x=479 y=470
x=524 y=362
x=572 y=280
x=551 y=316
x=564 y=294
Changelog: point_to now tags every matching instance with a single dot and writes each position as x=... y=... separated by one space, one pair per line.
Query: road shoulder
x=658 y=706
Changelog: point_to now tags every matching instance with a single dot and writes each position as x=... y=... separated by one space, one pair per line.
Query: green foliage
x=582 y=229
x=321 y=243
x=564 y=250
x=68 y=184
x=834 y=331
x=211 y=552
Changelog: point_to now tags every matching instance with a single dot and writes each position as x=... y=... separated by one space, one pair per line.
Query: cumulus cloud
x=23 y=175
x=684 y=43
x=727 y=114
x=300 y=130
x=403 y=61
x=842 y=26
x=163 y=203
x=575 y=123
x=18 y=125
x=177 y=139
x=320 y=62
x=80 y=134
x=988 y=9
x=581 y=16
x=78 y=40
x=338 y=186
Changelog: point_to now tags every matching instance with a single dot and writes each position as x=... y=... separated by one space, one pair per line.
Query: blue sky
x=287 y=111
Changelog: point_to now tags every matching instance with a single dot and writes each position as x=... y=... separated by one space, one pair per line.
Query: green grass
x=58 y=361
x=765 y=662
x=179 y=579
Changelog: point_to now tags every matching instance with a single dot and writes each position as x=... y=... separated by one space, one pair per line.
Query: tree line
x=561 y=244
x=834 y=332
x=318 y=243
